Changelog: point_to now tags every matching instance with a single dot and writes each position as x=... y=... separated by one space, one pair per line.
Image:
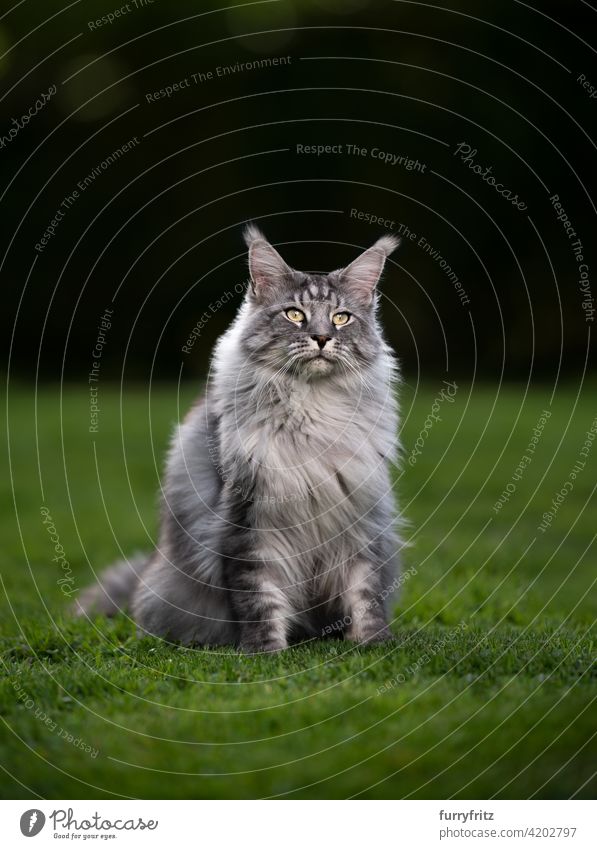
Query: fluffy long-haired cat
x=278 y=520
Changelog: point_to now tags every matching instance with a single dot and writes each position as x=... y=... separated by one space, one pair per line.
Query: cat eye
x=340 y=318
x=295 y=315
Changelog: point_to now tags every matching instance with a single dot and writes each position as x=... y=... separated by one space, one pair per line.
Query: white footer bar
x=299 y=824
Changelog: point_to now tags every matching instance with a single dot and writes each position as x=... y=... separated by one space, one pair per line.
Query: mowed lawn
x=488 y=690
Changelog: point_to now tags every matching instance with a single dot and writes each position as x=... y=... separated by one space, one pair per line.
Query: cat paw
x=251 y=647
x=371 y=638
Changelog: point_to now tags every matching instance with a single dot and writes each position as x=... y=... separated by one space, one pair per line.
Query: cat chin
x=319 y=366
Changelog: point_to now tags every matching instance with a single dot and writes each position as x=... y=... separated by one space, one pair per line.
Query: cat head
x=312 y=325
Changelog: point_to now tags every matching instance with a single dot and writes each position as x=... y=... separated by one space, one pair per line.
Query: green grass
x=489 y=689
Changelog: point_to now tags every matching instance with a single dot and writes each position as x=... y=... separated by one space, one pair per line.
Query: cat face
x=311 y=325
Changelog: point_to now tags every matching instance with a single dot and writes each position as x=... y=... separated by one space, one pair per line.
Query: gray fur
x=116 y=588
x=278 y=516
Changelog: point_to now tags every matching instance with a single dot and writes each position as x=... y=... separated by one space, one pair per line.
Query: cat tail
x=114 y=589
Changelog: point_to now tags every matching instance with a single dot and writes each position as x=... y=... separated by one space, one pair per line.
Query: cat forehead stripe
x=317 y=292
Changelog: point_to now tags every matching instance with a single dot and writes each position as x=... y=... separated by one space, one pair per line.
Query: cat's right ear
x=267 y=268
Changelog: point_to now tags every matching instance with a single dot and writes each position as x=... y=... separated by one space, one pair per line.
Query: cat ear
x=362 y=275
x=266 y=266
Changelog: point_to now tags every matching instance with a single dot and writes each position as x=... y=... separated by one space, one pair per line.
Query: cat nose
x=321 y=340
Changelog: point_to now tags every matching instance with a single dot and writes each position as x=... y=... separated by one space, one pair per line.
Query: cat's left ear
x=267 y=268
x=362 y=275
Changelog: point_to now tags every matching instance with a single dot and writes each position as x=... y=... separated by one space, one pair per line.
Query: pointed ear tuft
x=362 y=275
x=387 y=244
x=252 y=233
x=266 y=266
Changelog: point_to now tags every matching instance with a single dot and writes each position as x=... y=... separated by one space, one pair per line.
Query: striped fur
x=278 y=517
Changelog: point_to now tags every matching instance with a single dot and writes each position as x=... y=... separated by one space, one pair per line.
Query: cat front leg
x=363 y=605
x=260 y=606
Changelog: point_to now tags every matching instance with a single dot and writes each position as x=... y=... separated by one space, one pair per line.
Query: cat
x=278 y=519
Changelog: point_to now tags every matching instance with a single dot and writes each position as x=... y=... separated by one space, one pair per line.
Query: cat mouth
x=316 y=362
x=318 y=357
x=320 y=362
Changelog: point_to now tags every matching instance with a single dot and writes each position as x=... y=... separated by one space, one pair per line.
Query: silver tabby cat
x=278 y=520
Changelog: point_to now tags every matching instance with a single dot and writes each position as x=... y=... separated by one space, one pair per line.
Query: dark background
x=157 y=236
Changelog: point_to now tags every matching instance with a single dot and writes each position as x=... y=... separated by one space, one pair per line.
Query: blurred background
x=164 y=127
